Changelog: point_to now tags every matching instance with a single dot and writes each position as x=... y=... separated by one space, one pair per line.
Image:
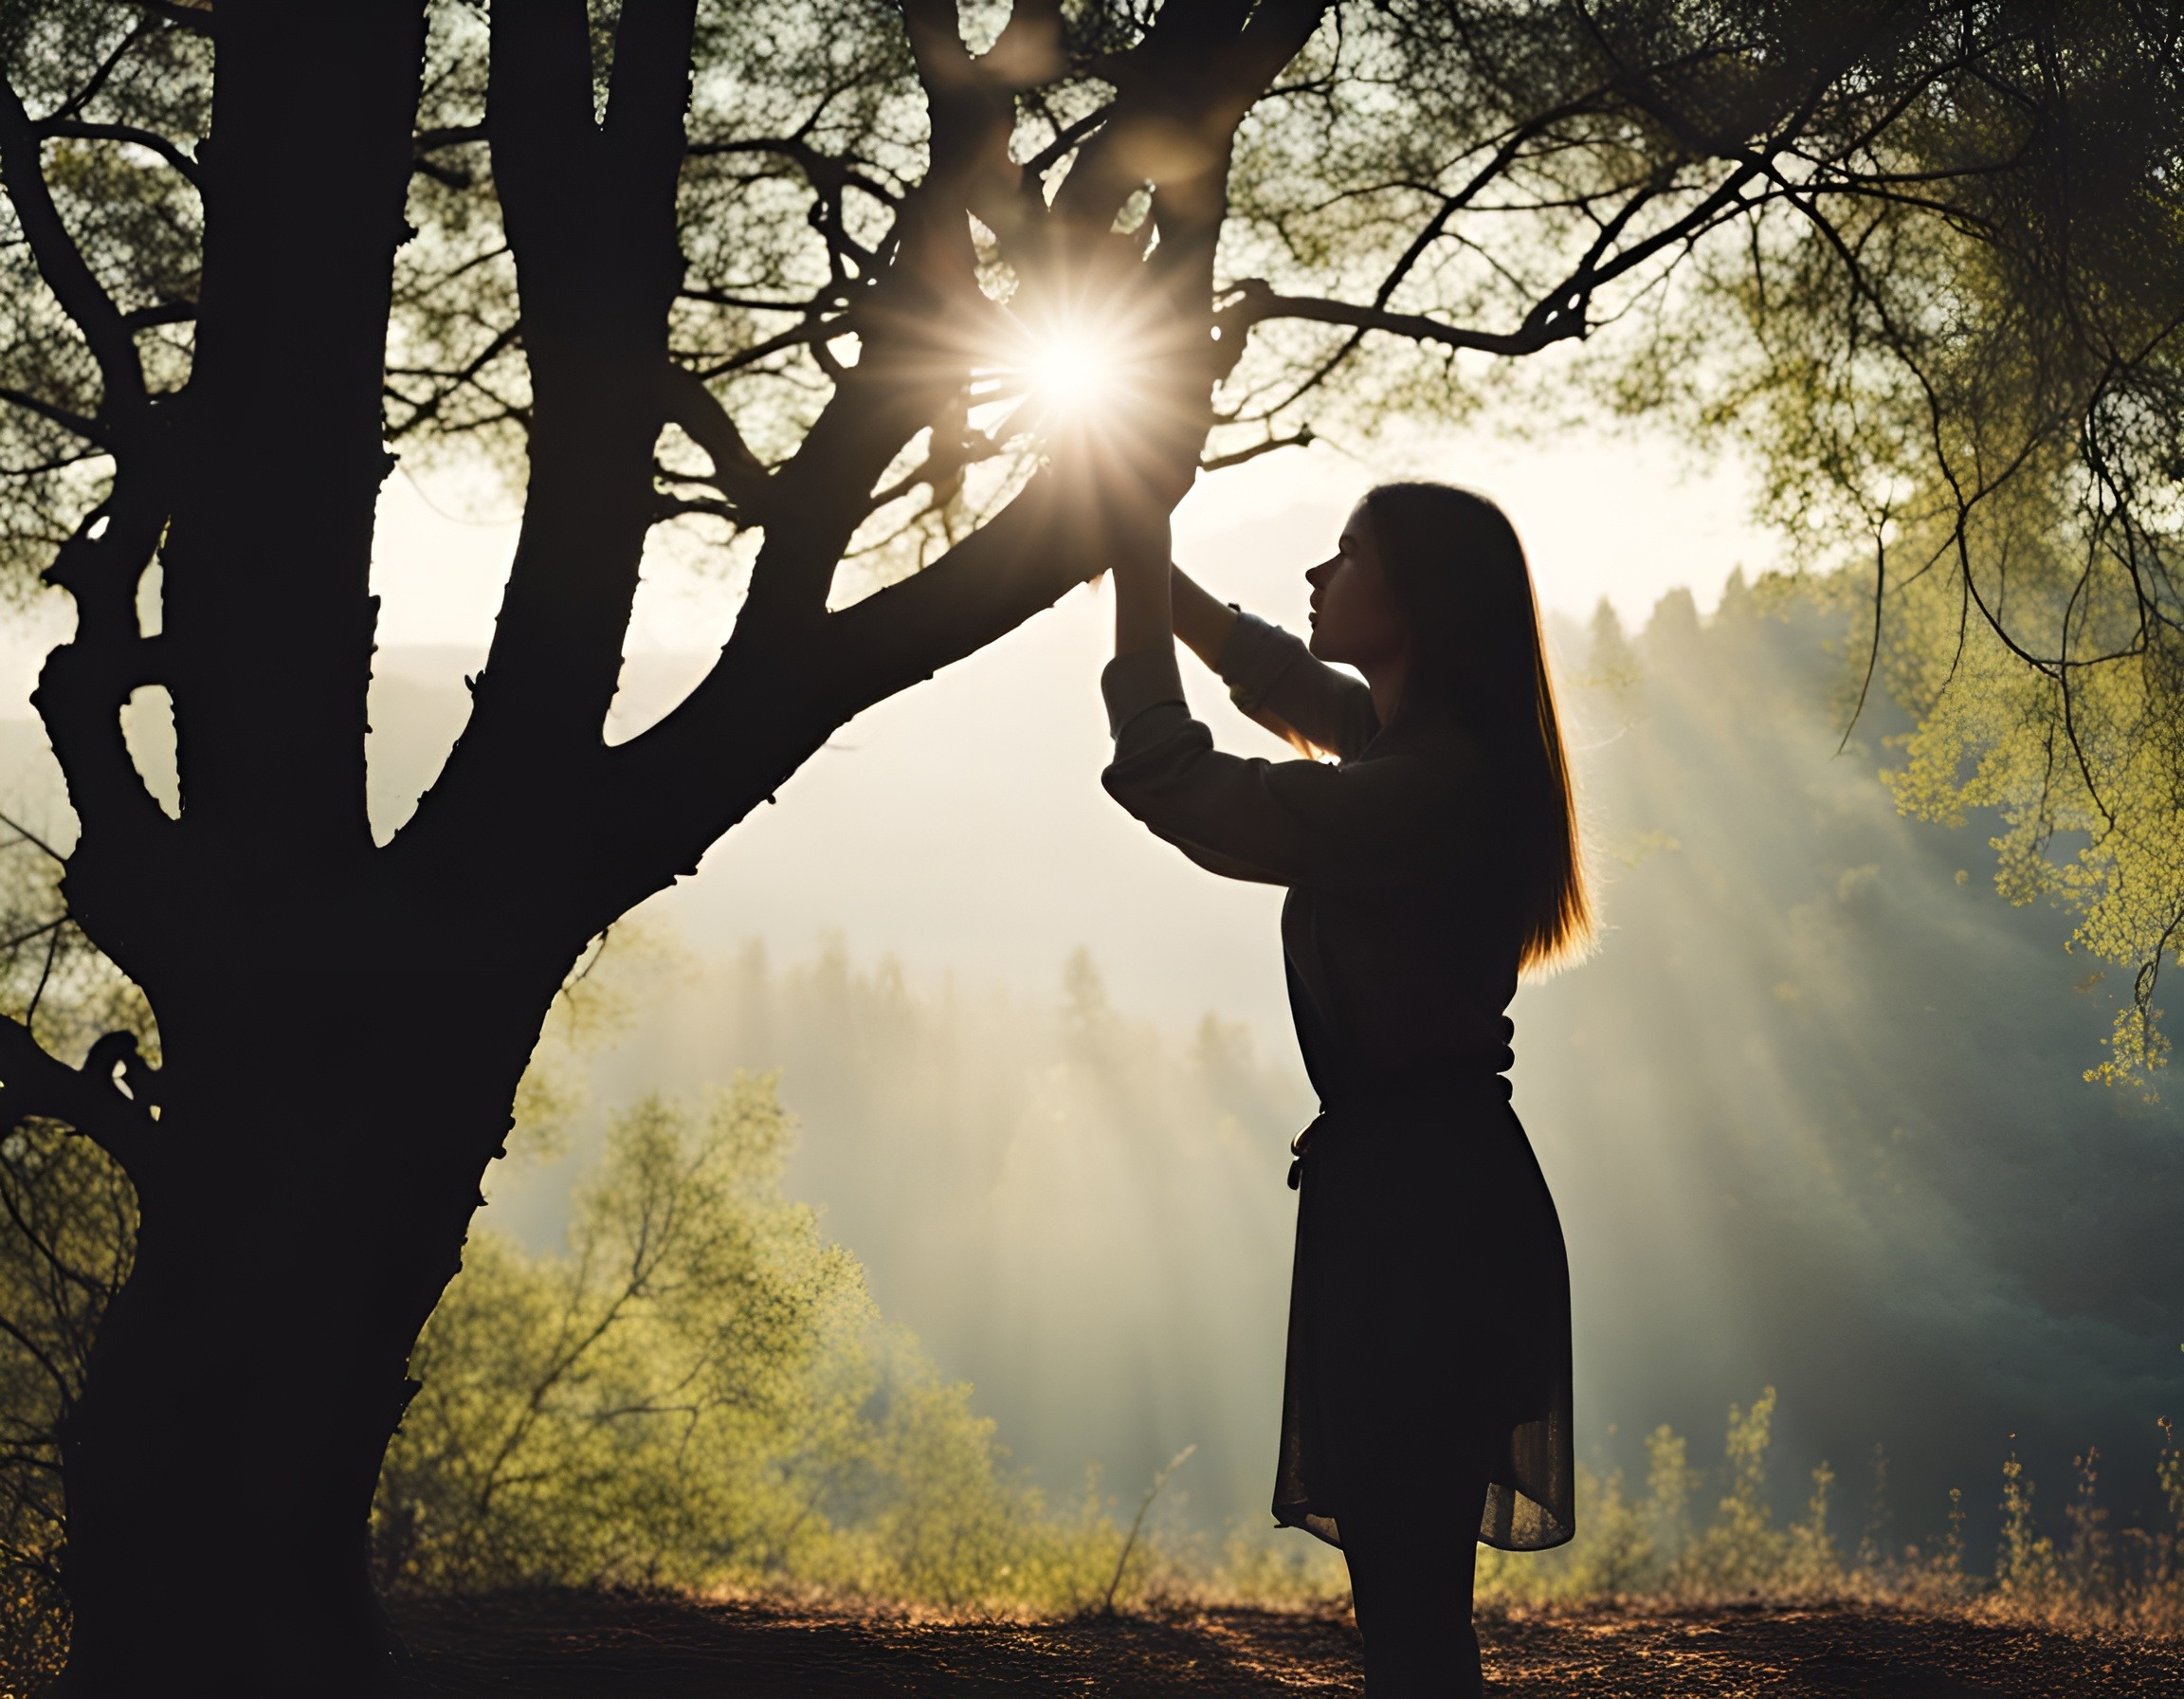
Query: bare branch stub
x=35 y=1084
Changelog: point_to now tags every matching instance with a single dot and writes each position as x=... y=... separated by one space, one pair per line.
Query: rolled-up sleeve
x=1380 y=823
x=1147 y=678
x=1272 y=675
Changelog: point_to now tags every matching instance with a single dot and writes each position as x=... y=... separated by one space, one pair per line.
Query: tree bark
x=246 y=1381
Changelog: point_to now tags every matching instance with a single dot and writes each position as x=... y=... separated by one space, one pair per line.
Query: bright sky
x=1624 y=518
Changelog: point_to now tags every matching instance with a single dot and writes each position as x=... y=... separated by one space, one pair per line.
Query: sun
x=1070 y=372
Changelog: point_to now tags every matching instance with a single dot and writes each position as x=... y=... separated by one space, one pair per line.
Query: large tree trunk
x=343 y=1025
x=246 y=1381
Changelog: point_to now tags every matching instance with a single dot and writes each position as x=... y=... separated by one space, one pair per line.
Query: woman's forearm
x=1144 y=618
x=1201 y=619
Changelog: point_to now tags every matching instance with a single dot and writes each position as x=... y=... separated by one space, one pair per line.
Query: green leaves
x=700 y=1390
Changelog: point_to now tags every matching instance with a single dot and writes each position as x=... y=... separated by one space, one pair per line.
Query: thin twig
x=1137 y=1523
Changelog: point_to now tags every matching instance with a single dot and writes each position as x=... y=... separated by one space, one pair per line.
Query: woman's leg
x=1400 y=1267
x=1412 y=1564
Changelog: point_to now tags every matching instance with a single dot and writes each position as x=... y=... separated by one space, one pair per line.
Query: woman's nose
x=1315 y=575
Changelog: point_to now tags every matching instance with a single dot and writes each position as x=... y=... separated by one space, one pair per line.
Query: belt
x=1409 y=1085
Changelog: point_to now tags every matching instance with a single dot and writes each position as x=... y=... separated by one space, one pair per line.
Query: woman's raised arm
x=1272 y=676
x=1202 y=619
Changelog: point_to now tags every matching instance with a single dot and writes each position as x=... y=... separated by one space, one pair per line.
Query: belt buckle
x=1297 y=1149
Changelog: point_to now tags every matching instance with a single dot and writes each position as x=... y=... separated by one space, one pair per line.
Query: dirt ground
x=590 y=1646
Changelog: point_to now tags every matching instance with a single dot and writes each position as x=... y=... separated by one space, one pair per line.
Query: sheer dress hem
x=1474 y=1314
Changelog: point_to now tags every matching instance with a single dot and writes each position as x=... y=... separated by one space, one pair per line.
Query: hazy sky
x=1624 y=518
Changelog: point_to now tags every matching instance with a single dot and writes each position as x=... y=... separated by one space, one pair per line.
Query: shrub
x=699 y=1391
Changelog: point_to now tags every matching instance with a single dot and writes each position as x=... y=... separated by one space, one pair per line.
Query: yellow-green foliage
x=2093 y=1578
x=2086 y=783
x=70 y=1221
x=2026 y=1573
x=700 y=1390
x=1651 y=1545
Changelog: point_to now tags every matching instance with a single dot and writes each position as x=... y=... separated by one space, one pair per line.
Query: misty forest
x=573 y=1161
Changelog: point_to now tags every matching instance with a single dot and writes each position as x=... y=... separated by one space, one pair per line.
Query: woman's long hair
x=1457 y=571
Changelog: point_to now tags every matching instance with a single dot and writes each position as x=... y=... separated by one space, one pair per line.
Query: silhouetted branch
x=193 y=15
x=34 y=1083
x=26 y=835
x=1302 y=437
x=166 y=312
x=61 y=264
x=432 y=142
x=589 y=211
x=85 y=680
x=801 y=672
x=1256 y=302
x=918 y=325
x=447 y=383
x=449 y=136
x=151 y=141
x=737 y=473
x=824 y=171
x=89 y=89
x=91 y=430
x=813 y=334
x=1018 y=562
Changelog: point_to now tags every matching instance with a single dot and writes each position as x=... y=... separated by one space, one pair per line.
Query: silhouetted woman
x=1427 y=1403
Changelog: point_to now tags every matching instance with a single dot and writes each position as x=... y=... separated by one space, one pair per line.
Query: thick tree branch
x=591 y=215
x=1022 y=560
x=265 y=595
x=920 y=327
x=429 y=142
x=166 y=312
x=86 y=682
x=61 y=264
x=800 y=671
x=737 y=473
x=778 y=706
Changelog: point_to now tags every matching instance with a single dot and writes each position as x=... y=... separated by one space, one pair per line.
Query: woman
x=1427 y=1403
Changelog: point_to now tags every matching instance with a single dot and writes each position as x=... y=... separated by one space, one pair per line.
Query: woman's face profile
x=1354 y=618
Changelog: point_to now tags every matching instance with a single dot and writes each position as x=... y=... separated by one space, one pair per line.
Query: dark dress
x=1429 y=1312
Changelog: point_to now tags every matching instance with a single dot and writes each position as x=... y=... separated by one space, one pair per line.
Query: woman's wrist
x=1142 y=616
x=1201 y=621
